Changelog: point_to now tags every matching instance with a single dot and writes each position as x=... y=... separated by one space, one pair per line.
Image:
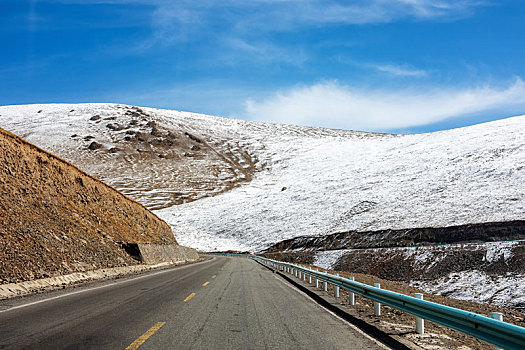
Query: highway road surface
x=221 y=303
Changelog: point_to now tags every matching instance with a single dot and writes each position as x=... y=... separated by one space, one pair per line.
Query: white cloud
x=331 y=104
x=403 y=70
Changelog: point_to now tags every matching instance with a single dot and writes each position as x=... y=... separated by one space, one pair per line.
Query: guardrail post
x=420 y=323
x=316 y=280
x=325 y=284
x=351 y=295
x=336 y=293
x=377 y=306
x=497 y=316
x=304 y=275
x=310 y=276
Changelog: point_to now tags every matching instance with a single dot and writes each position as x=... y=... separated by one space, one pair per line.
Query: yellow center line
x=206 y=283
x=140 y=340
x=190 y=296
x=213 y=276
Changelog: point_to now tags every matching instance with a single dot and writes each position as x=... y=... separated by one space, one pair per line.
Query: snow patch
x=502 y=249
x=327 y=259
x=503 y=290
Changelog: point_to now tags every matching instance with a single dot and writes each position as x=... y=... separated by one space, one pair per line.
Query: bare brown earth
x=396 y=322
x=56 y=219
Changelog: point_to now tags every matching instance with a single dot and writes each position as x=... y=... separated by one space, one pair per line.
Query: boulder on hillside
x=94 y=146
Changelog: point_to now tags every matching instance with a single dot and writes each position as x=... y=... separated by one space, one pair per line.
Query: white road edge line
x=105 y=286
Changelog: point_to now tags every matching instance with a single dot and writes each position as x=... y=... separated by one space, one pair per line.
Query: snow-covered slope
x=157 y=160
x=306 y=180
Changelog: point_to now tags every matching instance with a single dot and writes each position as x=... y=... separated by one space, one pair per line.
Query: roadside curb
x=13 y=290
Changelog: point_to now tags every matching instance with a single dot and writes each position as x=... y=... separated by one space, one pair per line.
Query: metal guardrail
x=493 y=331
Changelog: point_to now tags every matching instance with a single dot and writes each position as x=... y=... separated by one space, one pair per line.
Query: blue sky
x=378 y=65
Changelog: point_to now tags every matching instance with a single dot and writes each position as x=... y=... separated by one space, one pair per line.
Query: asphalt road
x=222 y=303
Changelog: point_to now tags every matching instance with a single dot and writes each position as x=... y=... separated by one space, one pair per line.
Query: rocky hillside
x=149 y=156
x=56 y=219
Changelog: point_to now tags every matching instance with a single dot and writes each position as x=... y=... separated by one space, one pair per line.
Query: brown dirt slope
x=56 y=219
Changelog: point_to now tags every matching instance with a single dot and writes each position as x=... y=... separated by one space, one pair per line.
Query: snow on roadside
x=502 y=249
x=503 y=286
x=502 y=290
x=328 y=258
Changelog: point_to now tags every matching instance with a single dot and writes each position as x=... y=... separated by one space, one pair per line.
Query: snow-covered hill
x=157 y=160
x=303 y=180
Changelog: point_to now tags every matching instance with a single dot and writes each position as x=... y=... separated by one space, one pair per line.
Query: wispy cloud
x=282 y=15
x=263 y=52
x=245 y=29
x=331 y=104
x=402 y=70
x=178 y=20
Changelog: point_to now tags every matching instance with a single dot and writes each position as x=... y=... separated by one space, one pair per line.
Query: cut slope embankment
x=55 y=219
x=418 y=236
